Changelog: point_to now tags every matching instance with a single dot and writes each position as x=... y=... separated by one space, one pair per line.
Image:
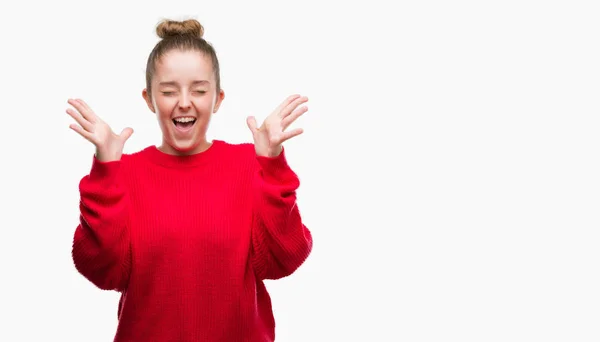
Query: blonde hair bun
x=170 y=28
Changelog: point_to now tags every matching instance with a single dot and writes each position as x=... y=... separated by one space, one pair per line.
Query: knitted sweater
x=189 y=240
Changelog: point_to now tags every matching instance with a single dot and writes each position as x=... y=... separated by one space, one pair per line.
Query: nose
x=184 y=101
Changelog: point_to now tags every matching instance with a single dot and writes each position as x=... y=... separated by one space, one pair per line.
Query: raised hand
x=268 y=138
x=109 y=146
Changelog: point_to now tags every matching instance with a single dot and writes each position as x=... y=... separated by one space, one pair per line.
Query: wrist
x=274 y=152
x=105 y=157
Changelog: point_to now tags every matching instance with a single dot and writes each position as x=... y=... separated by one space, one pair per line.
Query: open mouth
x=184 y=123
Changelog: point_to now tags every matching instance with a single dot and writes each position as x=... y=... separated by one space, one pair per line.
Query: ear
x=148 y=100
x=220 y=98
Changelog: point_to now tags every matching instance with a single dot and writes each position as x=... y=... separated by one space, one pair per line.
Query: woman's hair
x=184 y=36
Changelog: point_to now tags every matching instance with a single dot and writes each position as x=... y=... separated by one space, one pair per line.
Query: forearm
x=281 y=241
x=101 y=240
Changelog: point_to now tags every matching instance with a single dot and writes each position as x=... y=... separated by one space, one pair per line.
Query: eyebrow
x=173 y=83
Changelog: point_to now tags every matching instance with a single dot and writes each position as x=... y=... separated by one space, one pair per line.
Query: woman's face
x=184 y=97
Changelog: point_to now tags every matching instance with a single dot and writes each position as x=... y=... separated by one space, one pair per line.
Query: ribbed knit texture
x=189 y=240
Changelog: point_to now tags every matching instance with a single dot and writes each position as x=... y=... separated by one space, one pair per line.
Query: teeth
x=183 y=120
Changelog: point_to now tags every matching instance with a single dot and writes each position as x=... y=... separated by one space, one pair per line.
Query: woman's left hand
x=269 y=137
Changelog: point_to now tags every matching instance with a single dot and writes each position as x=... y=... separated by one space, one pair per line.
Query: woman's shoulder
x=237 y=149
x=237 y=154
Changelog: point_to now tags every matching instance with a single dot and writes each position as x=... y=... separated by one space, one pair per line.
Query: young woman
x=188 y=231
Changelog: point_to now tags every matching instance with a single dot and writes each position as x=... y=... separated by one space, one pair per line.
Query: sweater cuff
x=276 y=170
x=274 y=165
x=104 y=171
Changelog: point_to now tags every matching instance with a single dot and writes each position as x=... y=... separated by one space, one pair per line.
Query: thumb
x=126 y=133
x=251 y=121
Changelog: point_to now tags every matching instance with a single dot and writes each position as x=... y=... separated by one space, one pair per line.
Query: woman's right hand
x=109 y=146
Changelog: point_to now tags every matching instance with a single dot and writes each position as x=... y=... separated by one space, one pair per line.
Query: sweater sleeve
x=101 y=245
x=280 y=240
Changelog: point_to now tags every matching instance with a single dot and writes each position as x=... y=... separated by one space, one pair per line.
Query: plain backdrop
x=449 y=166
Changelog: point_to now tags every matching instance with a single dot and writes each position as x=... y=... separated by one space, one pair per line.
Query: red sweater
x=189 y=240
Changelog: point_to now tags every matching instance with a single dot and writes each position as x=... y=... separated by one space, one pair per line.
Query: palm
x=269 y=137
x=109 y=146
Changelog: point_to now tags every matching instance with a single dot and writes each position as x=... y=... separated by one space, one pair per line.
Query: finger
x=126 y=133
x=87 y=135
x=285 y=122
x=290 y=134
x=84 y=109
x=251 y=121
x=287 y=110
x=89 y=111
x=80 y=119
x=84 y=104
x=286 y=102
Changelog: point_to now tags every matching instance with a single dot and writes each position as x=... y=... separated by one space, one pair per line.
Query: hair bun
x=171 y=28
